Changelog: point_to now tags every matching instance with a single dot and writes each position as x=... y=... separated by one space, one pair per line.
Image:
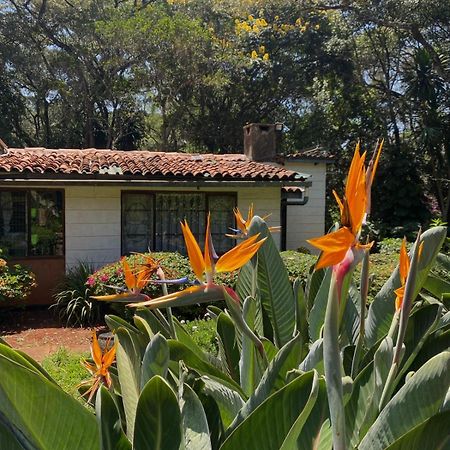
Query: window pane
x=13 y=222
x=222 y=218
x=171 y=209
x=46 y=220
x=137 y=222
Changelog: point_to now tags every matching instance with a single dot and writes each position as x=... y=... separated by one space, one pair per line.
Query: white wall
x=307 y=221
x=93 y=218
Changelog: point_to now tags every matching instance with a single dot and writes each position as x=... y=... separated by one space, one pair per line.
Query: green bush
x=16 y=282
x=174 y=266
x=73 y=298
x=298 y=265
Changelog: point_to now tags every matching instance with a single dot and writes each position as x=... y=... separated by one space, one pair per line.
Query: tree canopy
x=186 y=75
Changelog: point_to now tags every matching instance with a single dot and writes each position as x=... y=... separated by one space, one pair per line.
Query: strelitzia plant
x=342 y=250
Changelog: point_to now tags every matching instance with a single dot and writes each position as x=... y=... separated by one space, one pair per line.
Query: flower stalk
x=364 y=289
x=405 y=309
x=333 y=366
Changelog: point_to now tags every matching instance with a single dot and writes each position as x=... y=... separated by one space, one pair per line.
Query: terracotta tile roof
x=150 y=165
x=315 y=153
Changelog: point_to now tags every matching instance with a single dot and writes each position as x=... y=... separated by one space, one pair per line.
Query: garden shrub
x=73 y=298
x=16 y=282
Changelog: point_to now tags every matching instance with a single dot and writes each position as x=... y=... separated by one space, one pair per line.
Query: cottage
x=61 y=206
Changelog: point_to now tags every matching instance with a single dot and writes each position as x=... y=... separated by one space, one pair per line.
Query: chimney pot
x=261 y=141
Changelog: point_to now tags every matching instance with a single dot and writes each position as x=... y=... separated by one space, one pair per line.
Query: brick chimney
x=3 y=147
x=262 y=140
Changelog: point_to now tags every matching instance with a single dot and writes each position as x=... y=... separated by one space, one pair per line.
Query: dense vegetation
x=186 y=75
x=16 y=282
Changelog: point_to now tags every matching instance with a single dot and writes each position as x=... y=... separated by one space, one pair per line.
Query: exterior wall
x=307 y=221
x=93 y=218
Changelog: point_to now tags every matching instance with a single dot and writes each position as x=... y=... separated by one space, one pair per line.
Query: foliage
x=188 y=75
x=168 y=392
x=72 y=297
x=16 y=282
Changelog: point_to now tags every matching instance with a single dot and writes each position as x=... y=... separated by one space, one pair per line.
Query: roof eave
x=76 y=179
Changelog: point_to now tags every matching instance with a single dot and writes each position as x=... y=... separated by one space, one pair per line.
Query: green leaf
x=7 y=437
x=291 y=439
x=228 y=400
x=108 y=418
x=301 y=310
x=319 y=305
x=362 y=407
x=228 y=344
x=195 y=424
x=418 y=400
x=273 y=378
x=250 y=364
x=268 y=425
x=382 y=308
x=436 y=286
x=151 y=322
x=314 y=358
x=431 y=434
x=156 y=359
x=274 y=286
x=129 y=370
x=39 y=412
x=158 y=418
x=179 y=352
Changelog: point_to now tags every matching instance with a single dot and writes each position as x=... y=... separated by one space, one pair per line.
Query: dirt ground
x=38 y=332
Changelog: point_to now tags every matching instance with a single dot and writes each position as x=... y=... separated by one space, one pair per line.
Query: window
x=151 y=220
x=31 y=223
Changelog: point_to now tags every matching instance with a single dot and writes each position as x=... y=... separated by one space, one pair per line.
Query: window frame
x=28 y=227
x=207 y=194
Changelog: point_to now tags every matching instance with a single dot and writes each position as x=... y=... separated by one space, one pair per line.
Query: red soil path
x=39 y=333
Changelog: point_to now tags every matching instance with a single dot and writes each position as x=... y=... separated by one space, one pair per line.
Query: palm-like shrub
x=266 y=389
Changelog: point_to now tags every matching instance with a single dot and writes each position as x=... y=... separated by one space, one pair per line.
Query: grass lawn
x=66 y=369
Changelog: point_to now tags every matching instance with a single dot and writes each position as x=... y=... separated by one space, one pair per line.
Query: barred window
x=31 y=223
x=151 y=220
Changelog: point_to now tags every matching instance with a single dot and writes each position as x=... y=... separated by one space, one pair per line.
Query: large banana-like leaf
x=418 y=400
x=156 y=359
x=437 y=286
x=269 y=424
x=129 y=370
x=40 y=415
x=362 y=407
x=179 y=352
x=382 y=308
x=432 y=434
x=195 y=424
x=274 y=286
x=7 y=436
x=274 y=377
x=228 y=345
x=108 y=418
x=158 y=418
x=318 y=307
x=228 y=400
x=250 y=363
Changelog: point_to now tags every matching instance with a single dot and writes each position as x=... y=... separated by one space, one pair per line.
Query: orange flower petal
x=96 y=351
x=375 y=163
x=404 y=262
x=334 y=246
x=194 y=252
x=109 y=356
x=239 y=255
x=130 y=279
x=209 y=263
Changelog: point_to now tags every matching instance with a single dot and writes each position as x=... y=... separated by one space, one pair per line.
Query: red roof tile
x=150 y=165
x=316 y=153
